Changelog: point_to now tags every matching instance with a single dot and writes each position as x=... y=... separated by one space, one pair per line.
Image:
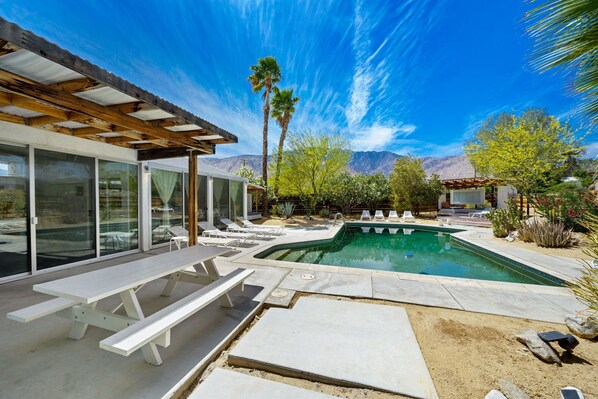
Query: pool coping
x=467 y=234
x=526 y=295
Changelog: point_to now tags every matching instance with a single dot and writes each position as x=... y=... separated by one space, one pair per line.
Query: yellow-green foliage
x=310 y=163
x=585 y=287
x=522 y=149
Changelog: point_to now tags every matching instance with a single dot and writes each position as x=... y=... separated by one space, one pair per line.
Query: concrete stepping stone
x=226 y=384
x=339 y=342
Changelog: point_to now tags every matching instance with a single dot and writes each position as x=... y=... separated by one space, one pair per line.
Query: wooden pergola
x=46 y=87
x=471 y=182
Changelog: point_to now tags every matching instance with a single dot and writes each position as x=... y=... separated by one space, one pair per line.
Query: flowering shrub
x=568 y=208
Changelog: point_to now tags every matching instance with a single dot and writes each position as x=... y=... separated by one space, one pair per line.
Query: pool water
x=408 y=251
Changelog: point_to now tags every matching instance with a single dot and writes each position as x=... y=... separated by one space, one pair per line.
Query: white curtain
x=235 y=190
x=165 y=181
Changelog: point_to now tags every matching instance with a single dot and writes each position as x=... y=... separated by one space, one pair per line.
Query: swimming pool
x=408 y=250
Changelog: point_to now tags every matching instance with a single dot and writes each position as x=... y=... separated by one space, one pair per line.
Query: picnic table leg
x=133 y=309
x=79 y=328
x=225 y=300
x=173 y=279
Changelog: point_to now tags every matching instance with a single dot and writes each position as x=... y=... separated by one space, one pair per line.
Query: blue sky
x=414 y=77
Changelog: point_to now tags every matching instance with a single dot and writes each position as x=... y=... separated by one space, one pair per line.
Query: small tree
x=347 y=191
x=522 y=149
x=411 y=189
x=310 y=164
x=375 y=189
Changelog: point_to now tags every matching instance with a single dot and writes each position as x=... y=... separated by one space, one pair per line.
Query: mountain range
x=365 y=162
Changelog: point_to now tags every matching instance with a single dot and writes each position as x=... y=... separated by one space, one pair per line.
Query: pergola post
x=245 y=199
x=192 y=199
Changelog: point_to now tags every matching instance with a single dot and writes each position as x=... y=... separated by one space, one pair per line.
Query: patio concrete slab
x=509 y=303
x=422 y=293
x=340 y=342
x=328 y=283
x=44 y=363
x=226 y=384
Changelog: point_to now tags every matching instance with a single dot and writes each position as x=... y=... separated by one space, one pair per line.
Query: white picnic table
x=77 y=297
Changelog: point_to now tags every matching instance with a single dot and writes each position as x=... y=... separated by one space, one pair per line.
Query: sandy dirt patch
x=467 y=353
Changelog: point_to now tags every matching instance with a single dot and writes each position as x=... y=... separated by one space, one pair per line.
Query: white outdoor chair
x=408 y=217
x=275 y=230
x=393 y=215
x=365 y=214
x=180 y=236
x=481 y=214
x=209 y=230
x=235 y=228
x=379 y=215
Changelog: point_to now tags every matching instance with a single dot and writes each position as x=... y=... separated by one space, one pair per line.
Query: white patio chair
x=365 y=214
x=481 y=214
x=379 y=215
x=408 y=217
x=393 y=215
x=209 y=230
x=276 y=230
x=235 y=228
x=180 y=236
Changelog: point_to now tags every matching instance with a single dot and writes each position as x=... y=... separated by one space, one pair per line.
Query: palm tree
x=265 y=74
x=566 y=34
x=283 y=107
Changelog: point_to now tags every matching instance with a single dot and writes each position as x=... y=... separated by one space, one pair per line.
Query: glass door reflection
x=14 y=203
x=65 y=208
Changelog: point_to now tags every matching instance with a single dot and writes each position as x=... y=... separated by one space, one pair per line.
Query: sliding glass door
x=118 y=207
x=14 y=203
x=65 y=208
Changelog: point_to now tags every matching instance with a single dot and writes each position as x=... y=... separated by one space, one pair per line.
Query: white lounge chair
x=209 y=230
x=180 y=236
x=480 y=214
x=379 y=215
x=408 y=217
x=275 y=230
x=365 y=214
x=235 y=228
x=393 y=215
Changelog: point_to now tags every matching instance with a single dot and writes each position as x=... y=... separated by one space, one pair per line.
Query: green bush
x=325 y=213
x=276 y=210
x=504 y=221
x=568 y=207
x=585 y=287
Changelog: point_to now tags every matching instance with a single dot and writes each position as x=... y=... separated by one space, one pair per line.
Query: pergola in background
x=471 y=182
x=47 y=87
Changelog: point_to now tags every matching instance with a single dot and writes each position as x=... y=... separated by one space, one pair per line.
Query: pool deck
x=45 y=363
x=528 y=301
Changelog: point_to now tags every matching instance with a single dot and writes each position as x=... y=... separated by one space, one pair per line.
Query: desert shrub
x=568 y=207
x=551 y=234
x=525 y=230
x=585 y=287
x=12 y=201
x=325 y=212
x=276 y=210
x=504 y=221
x=287 y=209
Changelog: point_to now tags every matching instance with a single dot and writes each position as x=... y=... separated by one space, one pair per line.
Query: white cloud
x=379 y=137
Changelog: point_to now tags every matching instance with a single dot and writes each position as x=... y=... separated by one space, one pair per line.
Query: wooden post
x=192 y=200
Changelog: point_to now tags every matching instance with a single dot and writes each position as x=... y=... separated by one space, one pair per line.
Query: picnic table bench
x=77 y=297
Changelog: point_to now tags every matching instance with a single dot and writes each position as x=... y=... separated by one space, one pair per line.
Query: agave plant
x=585 y=287
x=287 y=209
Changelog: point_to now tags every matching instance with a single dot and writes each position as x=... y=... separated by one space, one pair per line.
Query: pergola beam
x=14 y=83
